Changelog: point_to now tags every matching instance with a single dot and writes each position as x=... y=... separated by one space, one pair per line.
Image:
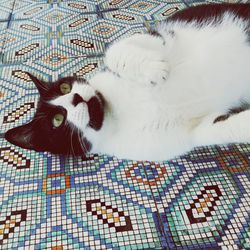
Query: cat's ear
x=22 y=136
x=41 y=85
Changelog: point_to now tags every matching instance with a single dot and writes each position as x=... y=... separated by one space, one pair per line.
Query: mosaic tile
x=135 y=4
x=144 y=7
x=30 y=9
x=6 y=7
x=67 y=209
x=113 y=4
x=114 y=219
x=3 y=28
x=84 y=7
x=198 y=2
x=109 y=30
x=18 y=222
x=167 y=10
x=197 y=201
x=148 y=8
x=209 y=189
x=54 y=10
x=123 y=16
x=32 y=39
x=19 y=107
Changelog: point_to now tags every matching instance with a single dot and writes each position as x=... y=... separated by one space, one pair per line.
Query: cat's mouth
x=95 y=104
x=96 y=107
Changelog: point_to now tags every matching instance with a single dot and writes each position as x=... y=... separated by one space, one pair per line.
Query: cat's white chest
x=134 y=126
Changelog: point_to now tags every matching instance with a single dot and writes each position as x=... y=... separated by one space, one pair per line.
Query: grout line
x=110 y=9
x=161 y=225
x=8 y=25
x=99 y=12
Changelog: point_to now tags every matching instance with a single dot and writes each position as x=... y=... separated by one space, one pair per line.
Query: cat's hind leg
x=139 y=58
x=235 y=128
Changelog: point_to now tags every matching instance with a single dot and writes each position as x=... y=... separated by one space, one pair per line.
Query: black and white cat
x=164 y=92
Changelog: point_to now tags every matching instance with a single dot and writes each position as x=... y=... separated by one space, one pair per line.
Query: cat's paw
x=156 y=72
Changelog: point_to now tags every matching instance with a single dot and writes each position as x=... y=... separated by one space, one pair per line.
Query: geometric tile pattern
x=200 y=200
x=10 y=223
x=18 y=112
x=109 y=215
x=201 y=207
x=14 y=158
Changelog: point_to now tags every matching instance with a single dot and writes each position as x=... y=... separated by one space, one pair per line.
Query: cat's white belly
x=136 y=126
x=156 y=144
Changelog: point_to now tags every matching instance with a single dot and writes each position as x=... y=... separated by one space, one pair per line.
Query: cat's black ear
x=22 y=136
x=41 y=85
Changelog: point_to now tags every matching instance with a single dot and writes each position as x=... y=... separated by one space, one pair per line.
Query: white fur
x=164 y=94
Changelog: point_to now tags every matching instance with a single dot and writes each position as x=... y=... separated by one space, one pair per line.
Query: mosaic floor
x=198 y=201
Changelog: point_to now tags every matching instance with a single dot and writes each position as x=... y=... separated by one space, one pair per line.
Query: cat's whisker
x=42 y=87
x=69 y=133
x=71 y=143
x=79 y=137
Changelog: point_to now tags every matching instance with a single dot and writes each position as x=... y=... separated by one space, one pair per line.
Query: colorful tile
x=200 y=203
x=33 y=40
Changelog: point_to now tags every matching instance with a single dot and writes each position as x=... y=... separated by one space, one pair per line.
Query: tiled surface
x=198 y=201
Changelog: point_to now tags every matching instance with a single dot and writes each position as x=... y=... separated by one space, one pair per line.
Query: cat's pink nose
x=77 y=99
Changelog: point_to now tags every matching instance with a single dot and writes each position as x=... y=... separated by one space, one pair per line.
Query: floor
x=198 y=201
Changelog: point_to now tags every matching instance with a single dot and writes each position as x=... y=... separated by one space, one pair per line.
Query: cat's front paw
x=156 y=72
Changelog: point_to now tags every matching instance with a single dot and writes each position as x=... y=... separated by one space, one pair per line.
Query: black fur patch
x=204 y=12
x=96 y=111
x=154 y=32
x=231 y=112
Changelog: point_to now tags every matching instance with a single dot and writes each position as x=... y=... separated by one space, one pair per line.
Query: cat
x=184 y=84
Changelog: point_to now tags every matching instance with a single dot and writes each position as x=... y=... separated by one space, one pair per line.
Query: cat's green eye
x=65 y=88
x=57 y=120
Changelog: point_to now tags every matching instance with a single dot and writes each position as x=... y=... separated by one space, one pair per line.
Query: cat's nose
x=77 y=99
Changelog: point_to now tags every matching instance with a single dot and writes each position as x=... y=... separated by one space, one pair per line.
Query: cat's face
x=66 y=108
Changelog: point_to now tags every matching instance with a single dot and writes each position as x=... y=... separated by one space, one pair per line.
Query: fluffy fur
x=163 y=92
